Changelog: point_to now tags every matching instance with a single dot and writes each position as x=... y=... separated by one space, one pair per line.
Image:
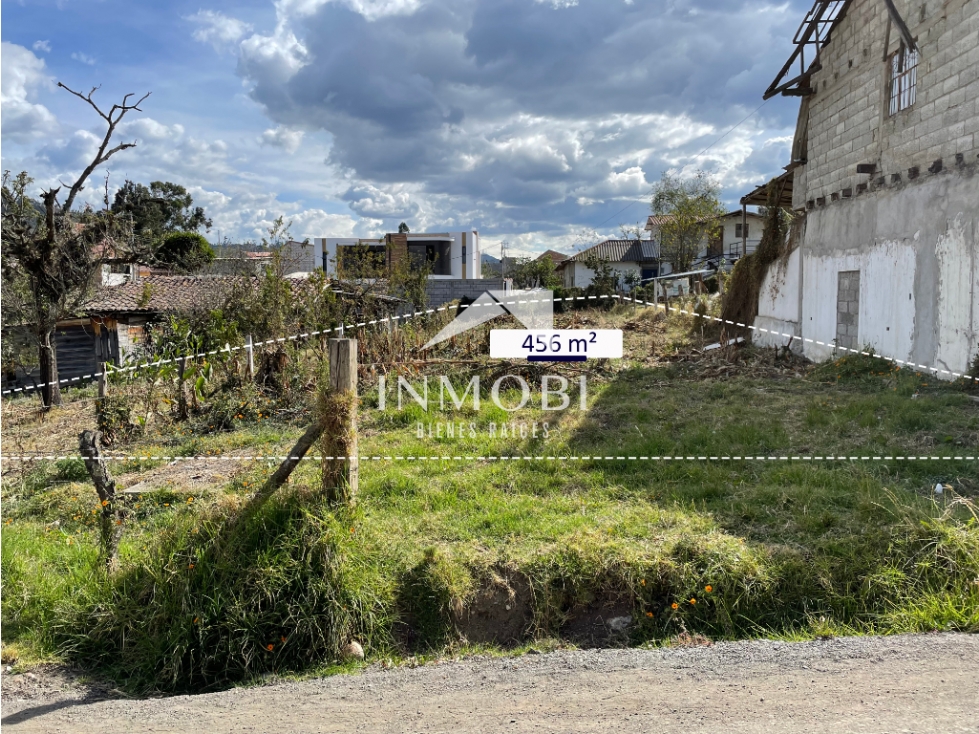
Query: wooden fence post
x=338 y=406
x=113 y=514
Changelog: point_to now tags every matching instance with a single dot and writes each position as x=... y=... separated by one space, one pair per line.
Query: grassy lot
x=439 y=556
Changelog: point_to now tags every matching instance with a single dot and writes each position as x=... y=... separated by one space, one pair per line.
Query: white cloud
x=22 y=74
x=220 y=30
x=44 y=46
x=282 y=137
x=83 y=58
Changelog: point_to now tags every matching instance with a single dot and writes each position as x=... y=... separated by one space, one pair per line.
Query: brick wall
x=848 y=309
x=441 y=292
x=849 y=120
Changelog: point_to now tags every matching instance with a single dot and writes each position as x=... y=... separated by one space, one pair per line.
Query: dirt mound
x=500 y=612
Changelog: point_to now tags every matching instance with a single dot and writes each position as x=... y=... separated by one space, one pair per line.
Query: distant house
x=729 y=243
x=450 y=255
x=635 y=258
x=556 y=257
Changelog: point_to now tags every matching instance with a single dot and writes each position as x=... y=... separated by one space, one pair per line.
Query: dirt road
x=927 y=683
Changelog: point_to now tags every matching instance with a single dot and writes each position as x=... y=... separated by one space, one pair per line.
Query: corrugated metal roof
x=620 y=251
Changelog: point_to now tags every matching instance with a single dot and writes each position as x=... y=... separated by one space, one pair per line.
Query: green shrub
x=185 y=251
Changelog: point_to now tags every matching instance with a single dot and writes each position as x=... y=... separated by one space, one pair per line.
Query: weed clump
x=744 y=286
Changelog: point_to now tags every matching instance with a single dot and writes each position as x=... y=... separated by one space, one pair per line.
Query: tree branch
x=113 y=118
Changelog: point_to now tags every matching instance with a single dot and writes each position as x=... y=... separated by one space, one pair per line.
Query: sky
x=543 y=123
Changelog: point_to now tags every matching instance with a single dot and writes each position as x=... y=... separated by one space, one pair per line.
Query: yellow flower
x=708 y=588
x=642 y=582
x=189 y=500
x=674 y=605
x=693 y=601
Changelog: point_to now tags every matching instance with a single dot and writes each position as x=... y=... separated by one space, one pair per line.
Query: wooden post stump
x=113 y=513
x=338 y=409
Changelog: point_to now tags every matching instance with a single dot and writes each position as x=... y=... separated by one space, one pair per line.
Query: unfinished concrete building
x=885 y=178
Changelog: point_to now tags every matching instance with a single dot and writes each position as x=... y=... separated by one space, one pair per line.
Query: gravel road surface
x=914 y=683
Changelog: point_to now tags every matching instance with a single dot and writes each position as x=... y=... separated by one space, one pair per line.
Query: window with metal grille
x=904 y=76
x=737 y=228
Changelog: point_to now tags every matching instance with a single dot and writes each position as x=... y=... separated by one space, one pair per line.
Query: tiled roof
x=656 y=220
x=557 y=257
x=620 y=251
x=161 y=293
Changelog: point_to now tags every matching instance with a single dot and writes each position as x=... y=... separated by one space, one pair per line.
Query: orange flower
x=642 y=582
x=105 y=503
x=270 y=647
x=708 y=588
x=693 y=601
x=196 y=619
x=190 y=566
x=283 y=638
x=649 y=614
x=674 y=605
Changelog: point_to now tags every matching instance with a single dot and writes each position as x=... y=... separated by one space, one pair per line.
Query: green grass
x=789 y=550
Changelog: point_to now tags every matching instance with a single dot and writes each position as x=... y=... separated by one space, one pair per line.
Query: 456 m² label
x=556 y=345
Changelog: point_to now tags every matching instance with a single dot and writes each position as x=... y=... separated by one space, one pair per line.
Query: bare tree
x=53 y=255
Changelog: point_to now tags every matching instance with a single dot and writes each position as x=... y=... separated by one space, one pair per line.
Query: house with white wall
x=627 y=258
x=728 y=242
x=450 y=255
x=732 y=244
x=884 y=184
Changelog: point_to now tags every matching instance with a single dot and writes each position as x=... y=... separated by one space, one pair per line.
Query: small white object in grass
x=939 y=489
x=620 y=624
x=352 y=651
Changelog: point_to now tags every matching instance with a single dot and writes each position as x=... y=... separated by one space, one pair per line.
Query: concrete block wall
x=444 y=291
x=849 y=120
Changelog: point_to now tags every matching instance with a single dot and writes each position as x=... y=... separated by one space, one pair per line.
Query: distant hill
x=490 y=260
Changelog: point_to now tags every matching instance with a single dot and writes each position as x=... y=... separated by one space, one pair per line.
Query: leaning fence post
x=249 y=347
x=338 y=406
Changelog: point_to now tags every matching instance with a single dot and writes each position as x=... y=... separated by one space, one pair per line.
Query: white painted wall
x=958 y=315
x=732 y=243
x=887 y=302
x=917 y=250
x=779 y=305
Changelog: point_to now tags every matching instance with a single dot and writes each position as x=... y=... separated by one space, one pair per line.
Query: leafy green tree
x=530 y=273
x=691 y=210
x=403 y=228
x=185 y=251
x=162 y=208
x=605 y=280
